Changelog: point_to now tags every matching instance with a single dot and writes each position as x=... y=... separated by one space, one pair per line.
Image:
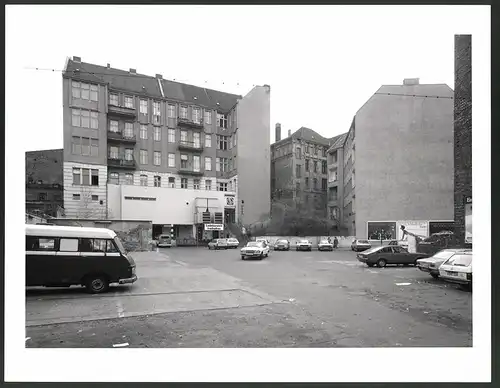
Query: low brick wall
x=344 y=241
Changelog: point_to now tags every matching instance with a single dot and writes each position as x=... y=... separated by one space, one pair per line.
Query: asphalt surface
x=193 y=297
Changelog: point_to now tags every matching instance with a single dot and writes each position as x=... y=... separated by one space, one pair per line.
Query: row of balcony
x=131 y=113
x=130 y=164
x=120 y=137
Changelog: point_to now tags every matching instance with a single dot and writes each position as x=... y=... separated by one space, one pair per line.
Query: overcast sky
x=322 y=62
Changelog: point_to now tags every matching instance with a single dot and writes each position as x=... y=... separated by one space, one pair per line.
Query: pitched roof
x=146 y=85
x=338 y=141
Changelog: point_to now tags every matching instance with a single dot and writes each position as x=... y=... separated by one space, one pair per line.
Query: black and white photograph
x=210 y=187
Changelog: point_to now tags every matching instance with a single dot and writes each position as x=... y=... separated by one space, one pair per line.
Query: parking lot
x=193 y=297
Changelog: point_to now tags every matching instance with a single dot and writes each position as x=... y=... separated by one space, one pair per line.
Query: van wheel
x=96 y=284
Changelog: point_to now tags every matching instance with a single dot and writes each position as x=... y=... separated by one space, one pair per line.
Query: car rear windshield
x=363 y=241
x=460 y=260
x=324 y=242
x=282 y=241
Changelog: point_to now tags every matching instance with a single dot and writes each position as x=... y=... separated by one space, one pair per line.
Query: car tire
x=381 y=263
x=435 y=276
x=243 y=258
x=96 y=284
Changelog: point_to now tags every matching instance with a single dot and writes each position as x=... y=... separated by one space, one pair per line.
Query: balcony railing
x=121 y=111
x=190 y=146
x=121 y=137
x=189 y=171
x=121 y=162
x=184 y=122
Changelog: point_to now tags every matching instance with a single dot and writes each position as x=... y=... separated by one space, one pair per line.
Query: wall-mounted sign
x=468 y=220
x=229 y=201
x=214 y=227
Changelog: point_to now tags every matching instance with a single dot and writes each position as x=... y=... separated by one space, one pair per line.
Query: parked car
x=360 y=245
x=232 y=243
x=458 y=269
x=383 y=255
x=282 y=245
x=325 y=245
x=218 y=243
x=438 y=241
x=254 y=249
x=303 y=245
x=431 y=264
x=164 y=240
x=264 y=240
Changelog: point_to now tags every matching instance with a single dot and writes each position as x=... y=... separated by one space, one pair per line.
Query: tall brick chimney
x=289 y=132
x=278 y=132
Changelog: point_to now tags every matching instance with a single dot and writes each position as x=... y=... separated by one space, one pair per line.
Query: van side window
x=99 y=245
x=68 y=245
x=31 y=243
x=85 y=245
x=46 y=244
x=111 y=248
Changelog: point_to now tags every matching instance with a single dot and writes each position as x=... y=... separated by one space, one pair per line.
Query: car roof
x=69 y=231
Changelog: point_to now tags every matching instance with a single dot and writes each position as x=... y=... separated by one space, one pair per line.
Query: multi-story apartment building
x=463 y=138
x=335 y=162
x=138 y=147
x=398 y=162
x=299 y=171
x=44 y=182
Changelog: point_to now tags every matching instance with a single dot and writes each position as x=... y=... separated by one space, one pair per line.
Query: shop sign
x=209 y=227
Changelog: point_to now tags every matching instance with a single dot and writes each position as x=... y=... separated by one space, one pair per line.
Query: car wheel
x=242 y=257
x=381 y=263
x=96 y=284
x=435 y=276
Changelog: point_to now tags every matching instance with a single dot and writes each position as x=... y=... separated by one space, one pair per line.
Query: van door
x=40 y=260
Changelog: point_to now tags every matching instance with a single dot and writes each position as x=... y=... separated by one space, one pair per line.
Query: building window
x=94 y=121
x=171 y=135
x=156 y=112
x=129 y=102
x=184 y=183
x=76 y=197
x=323 y=166
x=144 y=180
x=306 y=149
x=307 y=183
x=208 y=185
x=208 y=117
x=85 y=146
x=94 y=177
x=183 y=113
x=84 y=91
x=129 y=130
x=307 y=165
x=76 y=176
x=144 y=132
x=171 y=160
x=184 y=161
x=297 y=170
x=157 y=133
x=113 y=126
x=95 y=197
x=208 y=141
x=196 y=115
x=171 y=182
x=113 y=152
x=217 y=164
x=129 y=179
x=208 y=163
x=297 y=187
x=85 y=118
x=144 y=157
x=94 y=147
x=144 y=107
x=113 y=99
x=113 y=178
x=315 y=163
x=221 y=186
x=171 y=111
x=76 y=145
x=324 y=184
x=222 y=142
x=196 y=184
x=222 y=120
x=315 y=150
x=298 y=153
x=157 y=158
x=129 y=154
x=196 y=163
x=196 y=140
x=230 y=188
x=157 y=181
x=184 y=136
x=315 y=184
x=324 y=152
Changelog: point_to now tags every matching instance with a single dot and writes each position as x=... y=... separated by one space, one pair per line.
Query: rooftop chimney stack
x=289 y=132
x=133 y=71
x=278 y=132
x=77 y=59
x=411 y=81
x=108 y=65
x=159 y=76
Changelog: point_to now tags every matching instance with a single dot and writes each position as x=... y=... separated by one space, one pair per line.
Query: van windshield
x=120 y=246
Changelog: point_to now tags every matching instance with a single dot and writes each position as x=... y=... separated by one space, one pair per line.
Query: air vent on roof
x=77 y=59
x=411 y=81
x=132 y=71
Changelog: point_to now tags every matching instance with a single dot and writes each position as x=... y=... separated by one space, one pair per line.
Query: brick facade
x=463 y=129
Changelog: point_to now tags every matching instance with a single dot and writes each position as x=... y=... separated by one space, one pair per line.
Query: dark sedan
x=383 y=255
x=282 y=245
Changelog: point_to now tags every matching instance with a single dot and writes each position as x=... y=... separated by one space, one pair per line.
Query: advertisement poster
x=381 y=230
x=420 y=228
x=468 y=220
